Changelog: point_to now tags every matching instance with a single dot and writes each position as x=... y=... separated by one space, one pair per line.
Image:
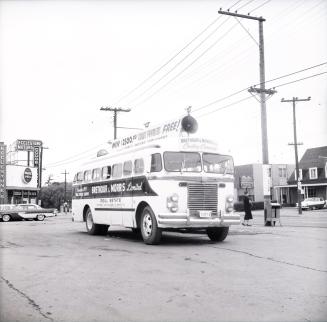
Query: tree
x=53 y=195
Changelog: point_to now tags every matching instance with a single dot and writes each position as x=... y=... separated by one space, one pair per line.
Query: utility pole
x=115 y=110
x=298 y=182
x=262 y=91
x=65 y=173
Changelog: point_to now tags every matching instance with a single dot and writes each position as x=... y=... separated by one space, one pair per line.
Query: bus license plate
x=205 y=213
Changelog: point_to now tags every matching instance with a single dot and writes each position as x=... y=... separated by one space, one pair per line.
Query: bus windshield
x=216 y=163
x=182 y=161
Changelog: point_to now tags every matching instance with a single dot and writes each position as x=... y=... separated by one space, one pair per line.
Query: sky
x=61 y=61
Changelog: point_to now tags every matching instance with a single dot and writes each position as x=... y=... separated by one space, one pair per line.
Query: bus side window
x=96 y=174
x=156 y=163
x=80 y=176
x=117 y=170
x=138 y=166
x=127 y=171
x=87 y=175
x=106 y=172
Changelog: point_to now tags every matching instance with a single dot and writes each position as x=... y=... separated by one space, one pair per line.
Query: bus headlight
x=229 y=204
x=172 y=202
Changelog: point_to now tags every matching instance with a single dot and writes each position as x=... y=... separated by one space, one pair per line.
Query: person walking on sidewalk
x=247 y=209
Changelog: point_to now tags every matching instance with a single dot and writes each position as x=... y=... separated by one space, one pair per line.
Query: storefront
x=21 y=184
x=20 y=171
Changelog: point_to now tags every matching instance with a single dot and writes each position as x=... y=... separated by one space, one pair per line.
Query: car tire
x=150 y=231
x=6 y=217
x=40 y=217
x=217 y=234
x=92 y=228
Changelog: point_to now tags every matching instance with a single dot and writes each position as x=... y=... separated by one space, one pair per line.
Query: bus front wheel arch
x=139 y=212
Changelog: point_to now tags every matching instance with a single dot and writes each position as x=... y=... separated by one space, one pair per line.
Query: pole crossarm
x=115 y=110
x=253 y=89
x=235 y=14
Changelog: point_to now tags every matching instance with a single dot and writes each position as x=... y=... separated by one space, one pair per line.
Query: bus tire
x=92 y=228
x=6 y=217
x=217 y=234
x=150 y=231
x=40 y=217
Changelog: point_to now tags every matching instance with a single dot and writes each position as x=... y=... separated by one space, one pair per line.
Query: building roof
x=313 y=158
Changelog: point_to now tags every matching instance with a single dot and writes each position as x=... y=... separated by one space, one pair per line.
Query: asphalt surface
x=54 y=271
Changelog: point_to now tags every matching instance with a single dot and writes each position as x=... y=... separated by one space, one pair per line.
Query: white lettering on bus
x=117 y=187
x=99 y=189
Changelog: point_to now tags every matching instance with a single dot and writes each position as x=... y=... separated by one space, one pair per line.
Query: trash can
x=275 y=213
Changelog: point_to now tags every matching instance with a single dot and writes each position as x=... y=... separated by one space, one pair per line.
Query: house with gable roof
x=312 y=175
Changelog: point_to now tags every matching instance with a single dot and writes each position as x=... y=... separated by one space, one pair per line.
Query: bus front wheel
x=92 y=228
x=151 y=233
x=217 y=234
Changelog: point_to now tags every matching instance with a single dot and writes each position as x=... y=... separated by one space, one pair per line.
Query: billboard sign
x=27 y=145
x=246 y=182
x=266 y=179
x=2 y=172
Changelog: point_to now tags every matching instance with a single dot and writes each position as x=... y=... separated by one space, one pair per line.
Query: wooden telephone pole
x=262 y=91
x=298 y=181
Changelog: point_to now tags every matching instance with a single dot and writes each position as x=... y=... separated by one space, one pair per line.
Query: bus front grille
x=202 y=197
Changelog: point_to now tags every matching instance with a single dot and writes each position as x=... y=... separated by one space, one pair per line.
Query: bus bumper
x=187 y=220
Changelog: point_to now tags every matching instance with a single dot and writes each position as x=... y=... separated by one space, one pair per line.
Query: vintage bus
x=163 y=178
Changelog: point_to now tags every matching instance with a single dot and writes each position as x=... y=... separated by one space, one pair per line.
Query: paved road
x=54 y=271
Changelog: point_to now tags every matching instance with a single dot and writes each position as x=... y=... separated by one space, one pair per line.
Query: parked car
x=313 y=203
x=25 y=211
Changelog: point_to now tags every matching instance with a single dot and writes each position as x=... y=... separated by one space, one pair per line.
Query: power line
x=188 y=66
x=246 y=98
x=177 y=64
x=246 y=88
x=173 y=57
x=167 y=83
x=301 y=79
x=299 y=71
x=251 y=11
x=61 y=162
x=225 y=106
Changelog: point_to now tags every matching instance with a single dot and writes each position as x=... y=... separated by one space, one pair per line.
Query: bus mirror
x=189 y=124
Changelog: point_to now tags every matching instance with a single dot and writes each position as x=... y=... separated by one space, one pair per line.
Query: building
x=312 y=175
x=20 y=171
x=258 y=179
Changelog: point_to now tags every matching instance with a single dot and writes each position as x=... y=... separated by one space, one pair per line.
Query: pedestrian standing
x=247 y=209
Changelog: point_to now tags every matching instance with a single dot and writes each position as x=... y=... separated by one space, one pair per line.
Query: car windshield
x=182 y=161
x=217 y=163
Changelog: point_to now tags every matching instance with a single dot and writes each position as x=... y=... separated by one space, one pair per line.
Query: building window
x=313 y=173
x=282 y=172
x=326 y=170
